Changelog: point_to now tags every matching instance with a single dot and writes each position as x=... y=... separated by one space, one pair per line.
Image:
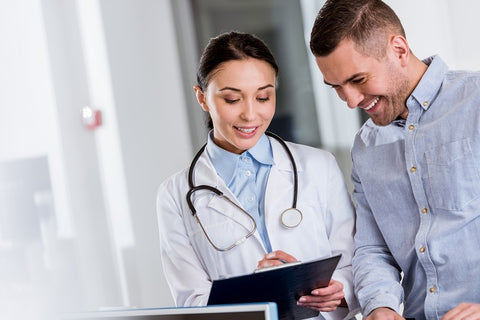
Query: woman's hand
x=325 y=299
x=275 y=258
x=321 y=299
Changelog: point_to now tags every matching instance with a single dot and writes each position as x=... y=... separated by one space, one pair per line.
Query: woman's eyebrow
x=238 y=90
x=230 y=88
x=265 y=87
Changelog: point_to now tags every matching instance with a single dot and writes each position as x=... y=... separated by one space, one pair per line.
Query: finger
x=268 y=263
x=333 y=288
x=322 y=306
x=321 y=309
x=275 y=258
x=322 y=299
x=467 y=311
x=280 y=255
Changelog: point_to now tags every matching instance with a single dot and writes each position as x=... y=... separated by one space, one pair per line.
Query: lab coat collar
x=280 y=156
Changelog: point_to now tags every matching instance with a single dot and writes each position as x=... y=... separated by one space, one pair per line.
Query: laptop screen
x=251 y=311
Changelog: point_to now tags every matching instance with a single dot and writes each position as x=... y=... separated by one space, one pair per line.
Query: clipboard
x=283 y=286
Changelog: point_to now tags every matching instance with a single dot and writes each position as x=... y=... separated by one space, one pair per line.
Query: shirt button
x=422 y=249
x=251 y=198
x=244 y=159
x=432 y=290
x=424 y=210
x=425 y=103
x=248 y=173
x=411 y=127
x=413 y=169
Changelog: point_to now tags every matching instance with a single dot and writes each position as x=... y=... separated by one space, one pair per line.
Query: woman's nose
x=248 y=111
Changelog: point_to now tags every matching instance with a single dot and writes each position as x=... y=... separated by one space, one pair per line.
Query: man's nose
x=353 y=96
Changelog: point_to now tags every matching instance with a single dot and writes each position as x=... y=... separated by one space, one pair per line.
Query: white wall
x=447 y=28
x=98 y=253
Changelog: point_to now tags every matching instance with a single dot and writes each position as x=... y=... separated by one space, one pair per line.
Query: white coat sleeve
x=189 y=283
x=340 y=224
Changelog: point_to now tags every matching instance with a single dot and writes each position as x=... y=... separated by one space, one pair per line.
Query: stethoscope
x=290 y=218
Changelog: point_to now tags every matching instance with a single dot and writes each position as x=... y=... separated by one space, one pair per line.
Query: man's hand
x=464 y=311
x=384 y=314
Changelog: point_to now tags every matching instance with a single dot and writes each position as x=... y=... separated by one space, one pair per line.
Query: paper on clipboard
x=283 y=286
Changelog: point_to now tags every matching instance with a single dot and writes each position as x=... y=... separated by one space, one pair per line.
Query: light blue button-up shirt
x=417 y=189
x=246 y=175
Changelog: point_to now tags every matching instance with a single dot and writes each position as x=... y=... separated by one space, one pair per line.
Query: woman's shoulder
x=310 y=153
x=176 y=181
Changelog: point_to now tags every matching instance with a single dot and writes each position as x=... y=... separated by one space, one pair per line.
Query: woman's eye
x=263 y=99
x=231 y=101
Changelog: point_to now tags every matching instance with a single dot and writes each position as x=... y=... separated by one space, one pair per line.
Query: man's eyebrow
x=348 y=80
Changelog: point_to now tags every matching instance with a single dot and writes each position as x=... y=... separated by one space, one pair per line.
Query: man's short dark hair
x=366 y=22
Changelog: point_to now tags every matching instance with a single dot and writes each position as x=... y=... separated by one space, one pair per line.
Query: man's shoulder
x=368 y=131
x=372 y=135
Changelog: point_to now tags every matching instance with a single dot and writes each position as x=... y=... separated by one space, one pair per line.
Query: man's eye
x=358 y=81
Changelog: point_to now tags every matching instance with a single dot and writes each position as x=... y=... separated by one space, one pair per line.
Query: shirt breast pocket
x=453 y=175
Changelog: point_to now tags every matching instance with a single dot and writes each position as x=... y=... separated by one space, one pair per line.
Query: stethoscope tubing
x=194 y=188
x=218 y=192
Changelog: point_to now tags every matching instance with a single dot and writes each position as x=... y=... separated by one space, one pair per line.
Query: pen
x=282 y=261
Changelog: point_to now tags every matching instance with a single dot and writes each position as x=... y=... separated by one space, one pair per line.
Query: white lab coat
x=190 y=263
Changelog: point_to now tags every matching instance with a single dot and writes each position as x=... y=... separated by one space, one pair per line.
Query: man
x=415 y=165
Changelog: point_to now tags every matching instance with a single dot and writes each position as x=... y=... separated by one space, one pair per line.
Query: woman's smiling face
x=240 y=98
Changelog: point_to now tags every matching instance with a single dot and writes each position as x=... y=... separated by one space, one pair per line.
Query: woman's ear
x=400 y=49
x=200 y=97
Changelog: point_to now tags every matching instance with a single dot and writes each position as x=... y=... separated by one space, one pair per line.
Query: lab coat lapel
x=279 y=191
x=205 y=174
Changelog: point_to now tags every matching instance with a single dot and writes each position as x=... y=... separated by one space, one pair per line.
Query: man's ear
x=200 y=97
x=400 y=49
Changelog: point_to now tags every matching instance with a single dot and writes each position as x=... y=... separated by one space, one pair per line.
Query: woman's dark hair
x=231 y=46
x=366 y=22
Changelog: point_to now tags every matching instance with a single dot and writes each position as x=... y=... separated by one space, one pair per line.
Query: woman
x=236 y=86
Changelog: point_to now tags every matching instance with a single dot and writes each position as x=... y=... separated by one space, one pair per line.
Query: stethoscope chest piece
x=291 y=218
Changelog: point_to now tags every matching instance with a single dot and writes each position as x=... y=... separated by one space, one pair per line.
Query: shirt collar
x=399 y=122
x=225 y=162
x=429 y=86
x=262 y=151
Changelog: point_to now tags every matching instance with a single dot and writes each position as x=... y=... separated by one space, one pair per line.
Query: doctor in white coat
x=257 y=173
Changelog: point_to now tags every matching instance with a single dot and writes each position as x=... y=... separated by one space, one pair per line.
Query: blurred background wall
x=77 y=200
